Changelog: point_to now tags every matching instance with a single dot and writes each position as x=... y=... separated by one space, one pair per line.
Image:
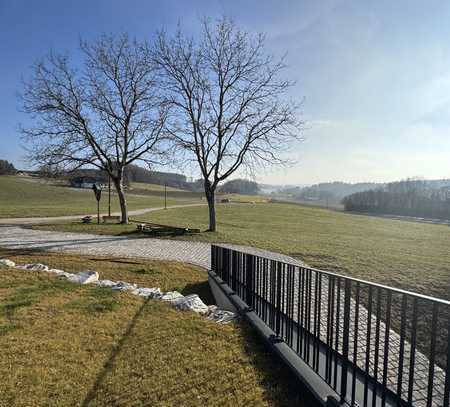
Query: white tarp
x=191 y=302
x=7 y=262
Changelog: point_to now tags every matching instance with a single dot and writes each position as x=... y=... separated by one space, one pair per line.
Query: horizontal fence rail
x=373 y=345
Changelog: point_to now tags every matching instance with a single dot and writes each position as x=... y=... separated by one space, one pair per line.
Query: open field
x=410 y=255
x=69 y=345
x=152 y=187
x=34 y=197
x=22 y=197
x=174 y=193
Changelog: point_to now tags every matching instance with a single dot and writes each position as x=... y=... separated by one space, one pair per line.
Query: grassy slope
x=22 y=197
x=152 y=187
x=64 y=344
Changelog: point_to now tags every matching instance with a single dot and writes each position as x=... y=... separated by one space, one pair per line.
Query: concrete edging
x=226 y=298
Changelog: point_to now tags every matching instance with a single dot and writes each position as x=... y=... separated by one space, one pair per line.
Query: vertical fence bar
x=329 y=376
x=249 y=274
x=278 y=299
x=345 y=340
x=308 y=325
x=283 y=300
x=316 y=336
x=355 y=343
x=302 y=309
x=298 y=310
x=338 y=322
x=402 y=346
x=292 y=305
x=327 y=354
x=447 y=372
x=412 y=356
x=369 y=331
x=377 y=348
x=387 y=336
x=432 y=354
x=319 y=314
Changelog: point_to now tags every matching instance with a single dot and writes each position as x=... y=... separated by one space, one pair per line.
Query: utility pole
x=109 y=195
x=98 y=195
x=165 y=195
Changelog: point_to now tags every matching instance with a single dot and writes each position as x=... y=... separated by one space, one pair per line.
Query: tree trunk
x=123 y=202
x=210 y=197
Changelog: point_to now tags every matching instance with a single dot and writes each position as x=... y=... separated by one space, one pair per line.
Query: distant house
x=83 y=182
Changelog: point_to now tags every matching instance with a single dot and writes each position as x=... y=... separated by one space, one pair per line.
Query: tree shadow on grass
x=279 y=383
x=107 y=367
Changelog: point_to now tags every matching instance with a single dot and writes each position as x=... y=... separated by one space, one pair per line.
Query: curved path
x=198 y=253
x=49 y=219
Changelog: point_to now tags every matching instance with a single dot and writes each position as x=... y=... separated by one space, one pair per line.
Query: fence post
x=345 y=340
x=249 y=279
x=278 y=298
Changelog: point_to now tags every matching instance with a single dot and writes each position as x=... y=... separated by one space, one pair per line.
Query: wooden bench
x=157 y=229
x=114 y=218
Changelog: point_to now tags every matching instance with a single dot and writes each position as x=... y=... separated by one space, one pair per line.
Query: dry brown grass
x=69 y=345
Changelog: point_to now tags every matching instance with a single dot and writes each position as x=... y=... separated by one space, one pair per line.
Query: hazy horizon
x=374 y=77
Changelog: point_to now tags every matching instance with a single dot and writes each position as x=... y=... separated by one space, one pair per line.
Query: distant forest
x=327 y=193
x=418 y=198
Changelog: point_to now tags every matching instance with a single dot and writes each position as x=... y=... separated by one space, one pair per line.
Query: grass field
x=413 y=256
x=174 y=193
x=33 y=197
x=22 y=197
x=69 y=345
x=152 y=187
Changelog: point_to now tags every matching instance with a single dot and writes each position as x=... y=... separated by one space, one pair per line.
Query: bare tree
x=107 y=114
x=230 y=106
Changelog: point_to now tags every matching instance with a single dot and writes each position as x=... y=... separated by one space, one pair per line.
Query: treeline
x=134 y=173
x=240 y=186
x=419 y=198
x=328 y=192
x=6 y=168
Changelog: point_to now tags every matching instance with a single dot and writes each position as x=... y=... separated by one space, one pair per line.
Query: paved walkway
x=52 y=219
x=198 y=253
x=14 y=237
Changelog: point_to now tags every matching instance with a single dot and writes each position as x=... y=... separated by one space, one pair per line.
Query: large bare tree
x=231 y=108
x=107 y=113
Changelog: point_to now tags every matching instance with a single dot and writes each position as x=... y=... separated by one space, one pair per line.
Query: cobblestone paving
x=117 y=246
x=197 y=253
x=14 y=237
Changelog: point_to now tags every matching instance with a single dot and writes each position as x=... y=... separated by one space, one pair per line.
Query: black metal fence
x=373 y=345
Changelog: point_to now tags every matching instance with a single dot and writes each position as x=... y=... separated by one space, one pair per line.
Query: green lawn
x=24 y=197
x=152 y=187
x=69 y=345
x=175 y=193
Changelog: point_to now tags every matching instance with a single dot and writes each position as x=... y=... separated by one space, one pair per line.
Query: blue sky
x=374 y=76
